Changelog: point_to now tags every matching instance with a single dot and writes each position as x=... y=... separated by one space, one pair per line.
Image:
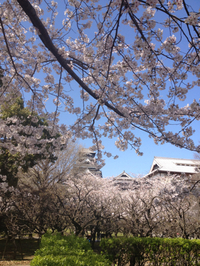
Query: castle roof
x=175 y=165
x=123 y=177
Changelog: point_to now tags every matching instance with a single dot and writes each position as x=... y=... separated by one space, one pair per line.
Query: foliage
x=66 y=250
x=33 y=206
x=70 y=242
x=19 y=151
x=157 y=251
x=14 y=113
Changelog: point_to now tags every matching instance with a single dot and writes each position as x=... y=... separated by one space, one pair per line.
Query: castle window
x=155 y=167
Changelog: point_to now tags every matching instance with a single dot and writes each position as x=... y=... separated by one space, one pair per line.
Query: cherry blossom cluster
x=146 y=207
x=130 y=63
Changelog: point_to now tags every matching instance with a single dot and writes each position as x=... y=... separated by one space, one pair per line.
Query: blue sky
x=140 y=165
x=129 y=160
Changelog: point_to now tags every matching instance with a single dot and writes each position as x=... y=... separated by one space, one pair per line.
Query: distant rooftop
x=175 y=165
x=123 y=177
x=123 y=180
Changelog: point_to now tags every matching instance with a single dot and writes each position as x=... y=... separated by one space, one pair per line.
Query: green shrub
x=87 y=260
x=68 y=241
x=158 y=251
x=66 y=250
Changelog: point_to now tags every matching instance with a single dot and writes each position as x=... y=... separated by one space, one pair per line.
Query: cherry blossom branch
x=44 y=36
x=11 y=58
x=7 y=46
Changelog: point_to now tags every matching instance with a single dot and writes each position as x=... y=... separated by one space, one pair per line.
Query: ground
x=20 y=253
x=15 y=262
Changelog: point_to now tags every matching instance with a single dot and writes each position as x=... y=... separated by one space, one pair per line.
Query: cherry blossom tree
x=33 y=206
x=88 y=202
x=162 y=207
x=11 y=160
x=135 y=63
x=150 y=207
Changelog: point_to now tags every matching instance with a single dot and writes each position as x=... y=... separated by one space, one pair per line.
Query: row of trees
x=47 y=198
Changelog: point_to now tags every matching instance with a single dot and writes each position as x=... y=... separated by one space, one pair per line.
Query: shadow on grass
x=19 y=249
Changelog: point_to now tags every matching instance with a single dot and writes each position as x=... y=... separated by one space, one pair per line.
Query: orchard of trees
x=47 y=197
x=115 y=68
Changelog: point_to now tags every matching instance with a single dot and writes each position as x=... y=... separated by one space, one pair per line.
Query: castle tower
x=87 y=163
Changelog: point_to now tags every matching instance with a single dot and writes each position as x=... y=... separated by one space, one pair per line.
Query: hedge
x=57 y=250
x=156 y=251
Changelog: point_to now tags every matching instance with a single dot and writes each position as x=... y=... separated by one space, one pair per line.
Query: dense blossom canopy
x=149 y=207
x=135 y=61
